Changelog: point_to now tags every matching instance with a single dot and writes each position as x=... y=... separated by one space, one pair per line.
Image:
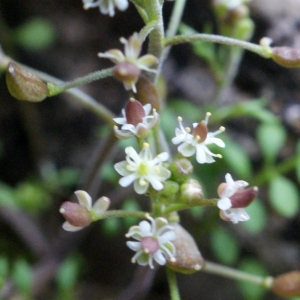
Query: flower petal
x=186 y=149
x=68 y=227
x=127 y=180
x=101 y=205
x=135 y=246
x=84 y=199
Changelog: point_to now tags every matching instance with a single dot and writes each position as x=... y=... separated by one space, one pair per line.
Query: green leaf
x=258 y=217
x=67 y=273
x=237 y=159
x=224 y=246
x=252 y=291
x=271 y=138
x=284 y=196
x=36 y=34
x=22 y=276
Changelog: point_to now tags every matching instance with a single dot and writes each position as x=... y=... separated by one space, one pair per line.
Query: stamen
x=188 y=129
x=62 y=210
x=197 y=267
x=146 y=145
x=133 y=260
x=197 y=137
x=143 y=182
x=219 y=156
x=208 y=114
x=146 y=250
x=222 y=128
x=157 y=170
x=179 y=119
x=173 y=259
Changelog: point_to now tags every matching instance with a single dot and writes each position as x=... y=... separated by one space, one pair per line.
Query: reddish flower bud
x=286 y=56
x=188 y=258
x=24 y=85
x=146 y=92
x=201 y=131
x=244 y=197
x=287 y=285
x=76 y=214
x=128 y=73
x=134 y=111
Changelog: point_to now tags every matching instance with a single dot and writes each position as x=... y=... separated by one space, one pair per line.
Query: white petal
x=68 y=227
x=84 y=199
x=224 y=203
x=167 y=236
x=121 y=168
x=101 y=205
x=140 y=189
x=157 y=185
x=145 y=228
x=187 y=150
x=135 y=246
x=127 y=180
x=164 y=156
x=217 y=142
x=147 y=109
x=121 y=4
x=159 y=258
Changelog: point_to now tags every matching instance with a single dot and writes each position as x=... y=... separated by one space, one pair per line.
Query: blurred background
x=49 y=149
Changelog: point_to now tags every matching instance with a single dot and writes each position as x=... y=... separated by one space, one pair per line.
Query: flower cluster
x=234 y=198
x=107 y=7
x=153 y=242
x=197 y=141
x=129 y=65
x=143 y=169
x=136 y=120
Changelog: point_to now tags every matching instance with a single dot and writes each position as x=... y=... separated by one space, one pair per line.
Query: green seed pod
x=286 y=56
x=24 y=85
x=188 y=258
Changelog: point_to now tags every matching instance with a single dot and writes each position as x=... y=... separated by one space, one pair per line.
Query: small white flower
x=136 y=120
x=80 y=214
x=227 y=190
x=153 y=242
x=129 y=64
x=197 y=141
x=143 y=170
x=107 y=7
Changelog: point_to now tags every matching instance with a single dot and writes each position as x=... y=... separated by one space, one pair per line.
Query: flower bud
x=134 y=111
x=128 y=73
x=146 y=93
x=76 y=214
x=181 y=168
x=244 y=197
x=191 y=191
x=287 y=285
x=24 y=85
x=286 y=56
x=188 y=258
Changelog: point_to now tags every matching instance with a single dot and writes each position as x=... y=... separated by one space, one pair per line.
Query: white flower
x=153 y=242
x=227 y=190
x=136 y=120
x=79 y=215
x=142 y=169
x=197 y=141
x=107 y=7
x=129 y=64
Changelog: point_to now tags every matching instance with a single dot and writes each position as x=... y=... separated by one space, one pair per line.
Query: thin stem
x=173 y=24
x=179 y=39
x=119 y=214
x=174 y=292
x=180 y=206
x=146 y=30
x=213 y=268
x=58 y=89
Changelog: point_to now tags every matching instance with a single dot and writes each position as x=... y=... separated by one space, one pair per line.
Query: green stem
x=271 y=171
x=179 y=39
x=147 y=30
x=173 y=25
x=180 y=206
x=119 y=214
x=58 y=89
x=213 y=268
x=174 y=292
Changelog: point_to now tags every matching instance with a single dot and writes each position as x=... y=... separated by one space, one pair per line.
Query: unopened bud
x=286 y=56
x=188 y=258
x=76 y=214
x=243 y=198
x=24 y=85
x=181 y=168
x=127 y=72
x=147 y=93
x=191 y=191
x=287 y=285
x=134 y=112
